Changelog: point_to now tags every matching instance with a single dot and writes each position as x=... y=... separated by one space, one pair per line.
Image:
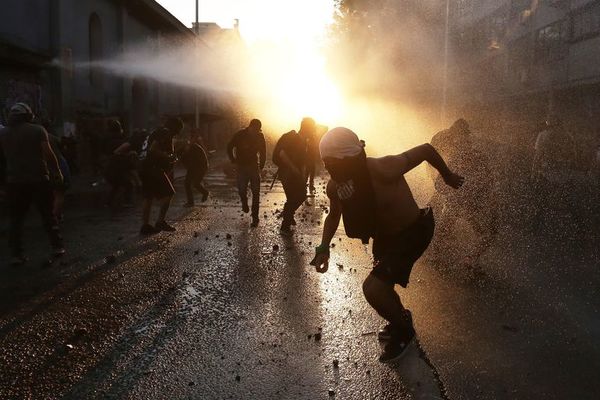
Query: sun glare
x=289 y=79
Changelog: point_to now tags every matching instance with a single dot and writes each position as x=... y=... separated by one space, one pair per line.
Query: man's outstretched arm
x=332 y=221
x=393 y=167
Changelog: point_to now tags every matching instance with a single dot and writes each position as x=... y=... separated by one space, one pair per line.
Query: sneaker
x=17 y=261
x=245 y=208
x=395 y=349
x=188 y=204
x=148 y=229
x=204 y=197
x=385 y=333
x=163 y=226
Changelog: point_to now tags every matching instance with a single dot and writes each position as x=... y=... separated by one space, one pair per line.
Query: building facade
x=526 y=58
x=49 y=52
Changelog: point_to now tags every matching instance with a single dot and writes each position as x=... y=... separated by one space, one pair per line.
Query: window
x=586 y=23
x=550 y=42
x=96 y=46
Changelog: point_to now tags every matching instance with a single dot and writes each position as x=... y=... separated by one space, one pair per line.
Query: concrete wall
x=26 y=24
x=584 y=61
x=105 y=98
x=59 y=30
x=579 y=63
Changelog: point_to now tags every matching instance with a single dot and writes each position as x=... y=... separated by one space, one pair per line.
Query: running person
x=376 y=202
x=248 y=151
x=196 y=163
x=290 y=155
x=155 y=175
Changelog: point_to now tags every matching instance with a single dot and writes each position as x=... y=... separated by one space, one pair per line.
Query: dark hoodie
x=21 y=145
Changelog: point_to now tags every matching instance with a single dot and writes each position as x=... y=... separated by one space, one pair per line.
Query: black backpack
x=281 y=142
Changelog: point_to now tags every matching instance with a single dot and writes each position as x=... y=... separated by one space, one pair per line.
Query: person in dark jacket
x=247 y=150
x=290 y=155
x=155 y=174
x=194 y=159
x=401 y=231
x=31 y=171
x=119 y=165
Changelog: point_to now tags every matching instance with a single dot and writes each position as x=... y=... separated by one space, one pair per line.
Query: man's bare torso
x=396 y=206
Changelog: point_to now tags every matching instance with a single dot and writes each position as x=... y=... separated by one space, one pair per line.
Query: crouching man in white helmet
x=376 y=202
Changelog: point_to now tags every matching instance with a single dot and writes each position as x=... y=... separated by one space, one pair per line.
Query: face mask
x=345 y=169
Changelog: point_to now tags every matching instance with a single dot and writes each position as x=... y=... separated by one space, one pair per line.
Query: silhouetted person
x=475 y=203
x=247 y=150
x=290 y=155
x=31 y=170
x=196 y=162
x=312 y=158
x=155 y=172
x=119 y=166
x=131 y=151
x=373 y=197
x=554 y=154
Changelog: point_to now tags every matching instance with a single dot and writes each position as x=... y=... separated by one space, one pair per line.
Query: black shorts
x=156 y=184
x=395 y=254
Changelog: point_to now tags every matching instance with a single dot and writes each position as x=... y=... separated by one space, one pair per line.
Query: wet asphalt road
x=219 y=310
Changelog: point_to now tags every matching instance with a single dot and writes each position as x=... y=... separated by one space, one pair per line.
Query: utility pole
x=446 y=51
x=197 y=95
